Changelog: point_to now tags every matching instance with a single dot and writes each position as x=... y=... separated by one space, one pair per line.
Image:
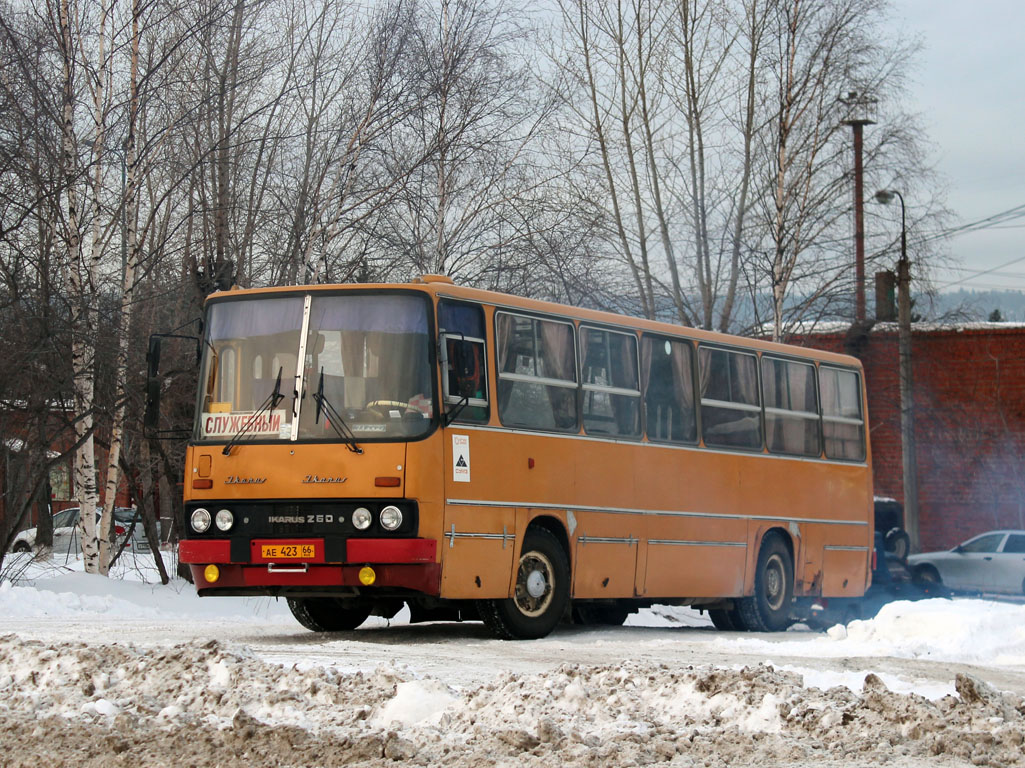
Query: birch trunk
x=127 y=297
x=96 y=546
x=83 y=350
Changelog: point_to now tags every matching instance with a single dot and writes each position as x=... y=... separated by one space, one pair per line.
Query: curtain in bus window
x=239 y=334
x=609 y=366
x=843 y=428
x=668 y=384
x=265 y=317
x=730 y=413
x=791 y=410
x=537 y=373
x=461 y=318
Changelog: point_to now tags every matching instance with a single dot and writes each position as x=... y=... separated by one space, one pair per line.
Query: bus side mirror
x=155 y=380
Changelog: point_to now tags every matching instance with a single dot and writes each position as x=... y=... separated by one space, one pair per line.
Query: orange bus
x=477 y=455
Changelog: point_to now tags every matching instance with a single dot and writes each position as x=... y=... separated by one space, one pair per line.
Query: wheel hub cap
x=535 y=584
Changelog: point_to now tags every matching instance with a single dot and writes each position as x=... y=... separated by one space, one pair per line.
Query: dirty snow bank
x=208 y=704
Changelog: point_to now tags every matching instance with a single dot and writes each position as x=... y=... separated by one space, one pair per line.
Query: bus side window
x=611 y=395
x=791 y=407
x=731 y=416
x=667 y=379
x=464 y=359
x=537 y=378
x=843 y=425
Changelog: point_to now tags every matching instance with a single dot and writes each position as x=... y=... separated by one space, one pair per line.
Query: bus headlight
x=224 y=519
x=361 y=518
x=391 y=518
x=200 y=520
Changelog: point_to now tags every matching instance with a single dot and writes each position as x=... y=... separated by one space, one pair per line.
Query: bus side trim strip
x=652 y=512
x=677 y=543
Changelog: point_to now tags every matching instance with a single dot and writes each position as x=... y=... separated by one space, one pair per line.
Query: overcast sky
x=970 y=90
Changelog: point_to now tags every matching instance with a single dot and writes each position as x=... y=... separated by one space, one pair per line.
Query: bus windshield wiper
x=334 y=418
x=269 y=404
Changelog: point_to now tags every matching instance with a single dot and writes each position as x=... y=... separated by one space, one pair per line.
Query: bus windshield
x=365 y=369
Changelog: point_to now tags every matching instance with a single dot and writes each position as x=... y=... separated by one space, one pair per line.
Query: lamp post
x=909 y=464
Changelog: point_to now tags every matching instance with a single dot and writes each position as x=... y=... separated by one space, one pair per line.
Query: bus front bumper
x=395 y=563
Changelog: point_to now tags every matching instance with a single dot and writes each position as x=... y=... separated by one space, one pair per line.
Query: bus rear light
x=387 y=482
x=202 y=485
x=875 y=560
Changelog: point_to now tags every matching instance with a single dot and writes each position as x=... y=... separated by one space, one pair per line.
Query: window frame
x=702 y=401
x=537 y=317
x=815 y=415
x=844 y=419
x=447 y=398
x=695 y=407
x=609 y=390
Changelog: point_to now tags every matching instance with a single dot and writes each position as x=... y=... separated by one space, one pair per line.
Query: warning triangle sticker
x=461 y=462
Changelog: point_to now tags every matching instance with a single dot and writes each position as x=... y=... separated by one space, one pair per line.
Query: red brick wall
x=969 y=395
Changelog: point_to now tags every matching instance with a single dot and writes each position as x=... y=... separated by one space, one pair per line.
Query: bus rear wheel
x=328 y=614
x=540 y=594
x=768 y=609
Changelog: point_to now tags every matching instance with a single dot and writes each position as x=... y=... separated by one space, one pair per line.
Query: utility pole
x=859 y=109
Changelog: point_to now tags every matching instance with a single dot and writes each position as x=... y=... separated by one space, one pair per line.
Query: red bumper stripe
x=356 y=550
x=424 y=578
x=215 y=551
x=390 y=550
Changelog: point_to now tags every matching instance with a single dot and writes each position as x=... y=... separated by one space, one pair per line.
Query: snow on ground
x=961 y=631
x=123 y=671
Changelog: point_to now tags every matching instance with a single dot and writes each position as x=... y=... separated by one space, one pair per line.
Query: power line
x=980 y=273
x=988 y=222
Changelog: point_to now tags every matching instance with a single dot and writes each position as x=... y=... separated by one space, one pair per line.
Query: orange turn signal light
x=203 y=485
x=387 y=482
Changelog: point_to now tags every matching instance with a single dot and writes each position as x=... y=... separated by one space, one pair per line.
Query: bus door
x=478 y=539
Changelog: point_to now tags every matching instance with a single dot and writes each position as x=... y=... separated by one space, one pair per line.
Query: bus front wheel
x=540 y=594
x=768 y=609
x=327 y=614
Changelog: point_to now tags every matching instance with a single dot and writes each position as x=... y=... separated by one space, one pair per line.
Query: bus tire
x=610 y=615
x=540 y=595
x=768 y=609
x=726 y=620
x=327 y=614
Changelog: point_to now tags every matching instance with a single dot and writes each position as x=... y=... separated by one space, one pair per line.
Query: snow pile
x=963 y=631
x=78 y=595
x=205 y=704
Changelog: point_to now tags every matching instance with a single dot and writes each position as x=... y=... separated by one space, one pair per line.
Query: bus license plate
x=288 y=551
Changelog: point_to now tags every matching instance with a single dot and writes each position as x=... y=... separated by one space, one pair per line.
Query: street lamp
x=907 y=416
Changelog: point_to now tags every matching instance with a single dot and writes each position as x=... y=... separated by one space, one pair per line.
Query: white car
x=990 y=562
x=65 y=532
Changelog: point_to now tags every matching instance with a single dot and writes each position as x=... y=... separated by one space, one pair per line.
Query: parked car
x=990 y=562
x=65 y=531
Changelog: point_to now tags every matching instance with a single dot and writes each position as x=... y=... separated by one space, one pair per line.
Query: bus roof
x=445 y=287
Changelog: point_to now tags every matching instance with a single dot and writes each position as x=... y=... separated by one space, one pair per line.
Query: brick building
x=969 y=397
